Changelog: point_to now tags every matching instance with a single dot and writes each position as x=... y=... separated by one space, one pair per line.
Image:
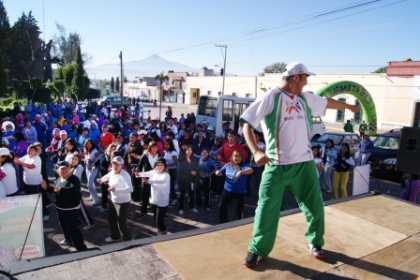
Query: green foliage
x=3 y=77
x=380 y=70
x=112 y=83
x=93 y=93
x=5 y=30
x=117 y=84
x=78 y=82
x=7 y=102
x=19 y=47
x=278 y=67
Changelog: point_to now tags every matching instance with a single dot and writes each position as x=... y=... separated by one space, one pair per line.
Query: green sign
x=358 y=91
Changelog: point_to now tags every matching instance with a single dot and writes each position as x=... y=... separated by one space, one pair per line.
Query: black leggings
x=159 y=216
x=225 y=199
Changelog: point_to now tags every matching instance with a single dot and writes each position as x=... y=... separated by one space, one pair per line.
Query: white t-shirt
x=88 y=122
x=32 y=176
x=168 y=156
x=69 y=157
x=78 y=171
x=160 y=187
x=287 y=131
x=9 y=181
x=122 y=184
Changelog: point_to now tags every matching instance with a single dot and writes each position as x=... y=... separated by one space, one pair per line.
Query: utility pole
x=224 y=67
x=122 y=79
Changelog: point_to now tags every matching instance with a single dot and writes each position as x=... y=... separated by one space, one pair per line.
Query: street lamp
x=224 y=67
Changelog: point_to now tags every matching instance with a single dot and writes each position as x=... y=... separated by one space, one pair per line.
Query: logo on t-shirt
x=290 y=107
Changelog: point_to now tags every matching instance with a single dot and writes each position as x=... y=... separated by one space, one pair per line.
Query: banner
x=361 y=178
x=16 y=215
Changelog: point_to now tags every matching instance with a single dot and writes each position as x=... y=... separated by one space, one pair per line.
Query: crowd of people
x=124 y=159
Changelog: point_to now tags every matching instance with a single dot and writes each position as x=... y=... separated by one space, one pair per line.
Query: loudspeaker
x=408 y=159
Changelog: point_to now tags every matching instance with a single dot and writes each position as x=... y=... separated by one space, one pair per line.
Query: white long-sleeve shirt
x=122 y=185
x=160 y=187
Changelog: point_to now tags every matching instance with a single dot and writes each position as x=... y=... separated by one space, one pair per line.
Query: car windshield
x=324 y=137
x=387 y=142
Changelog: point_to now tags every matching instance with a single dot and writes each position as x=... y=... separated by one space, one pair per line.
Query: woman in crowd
x=342 y=171
x=67 y=204
x=70 y=149
x=121 y=146
x=44 y=173
x=257 y=169
x=186 y=138
x=30 y=133
x=90 y=156
x=159 y=180
x=147 y=161
x=20 y=151
x=206 y=169
x=76 y=168
x=217 y=182
x=163 y=128
x=318 y=160
x=169 y=112
x=7 y=167
x=187 y=177
x=236 y=172
x=32 y=176
x=102 y=164
x=158 y=142
x=199 y=143
x=329 y=157
x=171 y=158
x=120 y=187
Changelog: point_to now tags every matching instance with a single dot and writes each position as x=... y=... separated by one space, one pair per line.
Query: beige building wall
x=395 y=98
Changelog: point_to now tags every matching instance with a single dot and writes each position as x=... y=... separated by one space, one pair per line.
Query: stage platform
x=367 y=237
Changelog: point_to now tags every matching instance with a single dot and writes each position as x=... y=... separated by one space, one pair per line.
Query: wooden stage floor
x=372 y=237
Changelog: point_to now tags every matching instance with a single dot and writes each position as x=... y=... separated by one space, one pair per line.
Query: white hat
x=296 y=68
x=118 y=160
x=8 y=123
x=210 y=128
x=4 y=152
x=142 y=132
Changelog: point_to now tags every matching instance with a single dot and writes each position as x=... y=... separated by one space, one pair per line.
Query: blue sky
x=257 y=33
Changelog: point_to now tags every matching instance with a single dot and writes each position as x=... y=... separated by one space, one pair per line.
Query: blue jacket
x=366 y=147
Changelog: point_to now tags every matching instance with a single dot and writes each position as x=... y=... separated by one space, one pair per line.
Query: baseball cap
x=143 y=132
x=118 y=160
x=37 y=117
x=296 y=68
x=63 y=132
x=62 y=163
x=210 y=128
x=4 y=152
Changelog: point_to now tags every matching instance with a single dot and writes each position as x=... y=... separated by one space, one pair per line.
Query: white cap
x=296 y=68
x=4 y=152
x=142 y=132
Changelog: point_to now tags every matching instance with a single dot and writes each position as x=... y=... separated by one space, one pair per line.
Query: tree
x=48 y=69
x=79 y=82
x=65 y=46
x=5 y=30
x=3 y=77
x=278 y=67
x=19 y=48
x=380 y=70
x=117 y=84
x=112 y=83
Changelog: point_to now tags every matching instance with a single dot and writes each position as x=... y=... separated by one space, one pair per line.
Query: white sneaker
x=181 y=212
x=194 y=210
x=174 y=202
x=109 y=239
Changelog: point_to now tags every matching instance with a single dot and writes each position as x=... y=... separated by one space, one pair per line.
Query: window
x=227 y=110
x=207 y=106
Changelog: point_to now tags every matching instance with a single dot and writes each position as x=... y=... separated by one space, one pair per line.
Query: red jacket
x=105 y=140
x=226 y=152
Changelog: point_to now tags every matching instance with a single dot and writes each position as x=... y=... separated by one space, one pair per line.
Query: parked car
x=339 y=139
x=384 y=156
x=115 y=100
